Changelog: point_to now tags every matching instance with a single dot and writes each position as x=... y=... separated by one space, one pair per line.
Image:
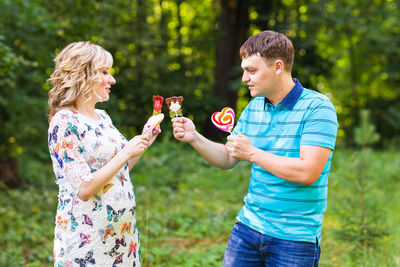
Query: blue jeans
x=249 y=248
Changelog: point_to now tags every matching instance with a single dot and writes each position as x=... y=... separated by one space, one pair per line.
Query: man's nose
x=245 y=78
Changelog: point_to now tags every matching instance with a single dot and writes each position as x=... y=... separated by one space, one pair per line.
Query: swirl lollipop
x=224 y=120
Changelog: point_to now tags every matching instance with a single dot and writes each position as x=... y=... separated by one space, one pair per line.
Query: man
x=288 y=133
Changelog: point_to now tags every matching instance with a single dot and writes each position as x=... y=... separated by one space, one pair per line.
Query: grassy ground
x=186 y=209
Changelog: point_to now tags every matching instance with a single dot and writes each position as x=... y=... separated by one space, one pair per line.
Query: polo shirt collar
x=291 y=98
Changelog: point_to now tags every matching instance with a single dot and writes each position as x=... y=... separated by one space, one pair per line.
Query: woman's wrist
x=124 y=155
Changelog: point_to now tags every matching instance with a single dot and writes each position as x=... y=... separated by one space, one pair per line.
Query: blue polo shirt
x=274 y=206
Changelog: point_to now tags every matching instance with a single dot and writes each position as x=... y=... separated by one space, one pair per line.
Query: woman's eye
x=105 y=72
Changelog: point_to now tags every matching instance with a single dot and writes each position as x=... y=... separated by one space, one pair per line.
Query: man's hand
x=240 y=147
x=183 y=129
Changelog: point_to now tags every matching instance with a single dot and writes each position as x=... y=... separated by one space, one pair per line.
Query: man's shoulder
x=317 y=105
x=256 y=102
x=313 y=95
x=314 y=98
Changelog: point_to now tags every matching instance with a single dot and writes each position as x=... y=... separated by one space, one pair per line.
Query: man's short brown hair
x=270 y=45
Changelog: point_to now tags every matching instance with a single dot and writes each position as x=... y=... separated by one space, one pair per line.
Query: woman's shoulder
x=63 y=116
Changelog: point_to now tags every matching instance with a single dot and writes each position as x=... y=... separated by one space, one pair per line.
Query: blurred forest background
x=345 y=49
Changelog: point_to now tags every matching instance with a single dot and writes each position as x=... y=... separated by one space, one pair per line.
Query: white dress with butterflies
x=101 y=231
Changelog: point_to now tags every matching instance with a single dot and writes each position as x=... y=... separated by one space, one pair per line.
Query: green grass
x=186 y=210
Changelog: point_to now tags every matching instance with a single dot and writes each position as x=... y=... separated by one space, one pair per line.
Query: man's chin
x=253 y=94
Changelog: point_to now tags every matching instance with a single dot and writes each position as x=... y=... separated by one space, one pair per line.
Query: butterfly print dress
x=102 y=230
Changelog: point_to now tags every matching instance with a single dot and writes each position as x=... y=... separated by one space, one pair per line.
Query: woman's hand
x=153 y=135
x=137 y=146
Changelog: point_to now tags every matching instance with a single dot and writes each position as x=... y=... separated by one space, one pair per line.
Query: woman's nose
x=111 y=80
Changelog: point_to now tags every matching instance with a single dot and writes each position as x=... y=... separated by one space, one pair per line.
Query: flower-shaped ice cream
x=157 y=104
x=174 y=104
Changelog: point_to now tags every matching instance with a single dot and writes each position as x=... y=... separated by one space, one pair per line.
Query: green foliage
x=349 y=218
x=354 y=37
x=363 y=219
x=22 y=62
x=392 y=117
x=26 y=226
x=8 y=64
x=186 y=210
x=347 y=50
x=158 y=48
x=167 y=47
x=365 y=134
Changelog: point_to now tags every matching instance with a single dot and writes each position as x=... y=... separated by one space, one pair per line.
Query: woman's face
x=103 y=91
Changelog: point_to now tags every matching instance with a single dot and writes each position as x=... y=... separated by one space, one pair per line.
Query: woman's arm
x=132 y=150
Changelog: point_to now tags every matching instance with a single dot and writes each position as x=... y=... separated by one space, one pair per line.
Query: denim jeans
x=249 y=248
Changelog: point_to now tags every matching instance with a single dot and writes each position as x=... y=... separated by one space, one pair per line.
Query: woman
x=95 y=222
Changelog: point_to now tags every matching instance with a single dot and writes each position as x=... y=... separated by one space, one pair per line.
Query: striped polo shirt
x=274 y=206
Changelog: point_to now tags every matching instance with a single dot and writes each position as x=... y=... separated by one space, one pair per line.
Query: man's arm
x=303 y=170
x=214 y=153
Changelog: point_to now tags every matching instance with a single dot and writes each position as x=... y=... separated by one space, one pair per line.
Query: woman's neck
x=86 y=108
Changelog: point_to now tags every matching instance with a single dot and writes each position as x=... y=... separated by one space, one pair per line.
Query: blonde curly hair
x=77 y=72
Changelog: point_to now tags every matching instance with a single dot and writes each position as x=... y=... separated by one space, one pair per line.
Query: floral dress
x=102 y=230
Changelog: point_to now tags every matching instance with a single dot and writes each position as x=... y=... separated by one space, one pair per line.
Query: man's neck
x=284 y=86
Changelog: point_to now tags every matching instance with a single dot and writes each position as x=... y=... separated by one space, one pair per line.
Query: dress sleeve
x=66 y=150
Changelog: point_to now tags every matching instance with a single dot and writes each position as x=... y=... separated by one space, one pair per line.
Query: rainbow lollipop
x=153 y=122
x=224 y=120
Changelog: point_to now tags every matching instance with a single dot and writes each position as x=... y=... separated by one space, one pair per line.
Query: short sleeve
x=104 y=115
x=320 y=125
x=66 y=152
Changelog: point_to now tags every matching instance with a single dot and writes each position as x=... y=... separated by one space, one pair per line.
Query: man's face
x=259 y=75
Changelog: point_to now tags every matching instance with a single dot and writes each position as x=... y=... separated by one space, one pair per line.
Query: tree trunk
x=233 y=25
x=9 y=172
x=178 y=32
x=141 y=20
